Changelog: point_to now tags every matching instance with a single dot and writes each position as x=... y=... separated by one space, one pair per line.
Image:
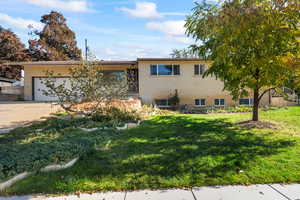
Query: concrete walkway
x=254 y=192
x=19 y=113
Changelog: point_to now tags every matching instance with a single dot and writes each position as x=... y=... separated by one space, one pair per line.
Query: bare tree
x=87 y=83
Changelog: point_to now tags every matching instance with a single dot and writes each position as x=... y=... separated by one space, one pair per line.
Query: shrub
x=115 y=114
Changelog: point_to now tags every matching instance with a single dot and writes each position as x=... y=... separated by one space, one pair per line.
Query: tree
x=88 y=83
x=55 y=42
x=247 y=40
x=11 y=49
x=184 y=53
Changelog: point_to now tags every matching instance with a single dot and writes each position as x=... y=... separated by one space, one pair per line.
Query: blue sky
x=115 y=29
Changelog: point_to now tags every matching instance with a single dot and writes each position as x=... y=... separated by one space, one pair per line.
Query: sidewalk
x=254 y=192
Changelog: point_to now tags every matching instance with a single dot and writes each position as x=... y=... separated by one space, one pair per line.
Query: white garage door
x=39 y=87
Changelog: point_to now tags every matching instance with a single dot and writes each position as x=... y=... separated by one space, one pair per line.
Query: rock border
x=57 y=167
x=126 y=126
x=49 y=168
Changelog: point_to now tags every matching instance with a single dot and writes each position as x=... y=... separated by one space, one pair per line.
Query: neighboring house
x=153 y=80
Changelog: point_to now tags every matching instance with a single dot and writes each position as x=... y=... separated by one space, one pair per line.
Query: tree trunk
x=255 y=105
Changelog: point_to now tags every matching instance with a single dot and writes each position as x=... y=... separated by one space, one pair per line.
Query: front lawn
x=183 y=151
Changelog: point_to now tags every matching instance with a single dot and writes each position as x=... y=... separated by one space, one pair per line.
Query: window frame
x=199 y=67
x=251 y=100
x=157 y=70
x=200 y=102
x=162 y=106
x=219 y=100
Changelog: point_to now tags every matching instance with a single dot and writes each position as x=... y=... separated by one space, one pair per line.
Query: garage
x=39 y=86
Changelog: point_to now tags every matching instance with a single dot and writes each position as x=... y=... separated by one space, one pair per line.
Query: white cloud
x=179 y=39
x=174 y=14
x=143 y=10
x=148 y=10
x=20 y=22
x=174 y=30
x=168 y=27
x=109 y=52
x=68 y=5
x=129 y=51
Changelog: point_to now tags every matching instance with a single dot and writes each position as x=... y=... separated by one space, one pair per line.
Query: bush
x=116 y=114
x=206 y=110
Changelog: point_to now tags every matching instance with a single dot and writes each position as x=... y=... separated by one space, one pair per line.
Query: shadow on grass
x=172 y=146
x=167 y=151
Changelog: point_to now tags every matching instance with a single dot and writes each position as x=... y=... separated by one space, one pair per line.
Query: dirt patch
x=260 y=124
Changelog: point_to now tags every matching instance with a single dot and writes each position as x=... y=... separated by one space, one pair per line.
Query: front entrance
x=133 y=80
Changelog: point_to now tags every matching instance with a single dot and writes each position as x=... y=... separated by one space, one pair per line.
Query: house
x=153 y=80
x=4 y=82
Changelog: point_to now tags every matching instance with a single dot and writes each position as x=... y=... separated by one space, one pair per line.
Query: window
x=153 y=69
x=176 y=69
x=162 y=103
x=199 y=69
x=164 y=70
x=246 y=102
x=200 y=102
x=219 y=102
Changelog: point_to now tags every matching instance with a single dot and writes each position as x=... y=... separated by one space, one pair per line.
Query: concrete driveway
x=17 y=114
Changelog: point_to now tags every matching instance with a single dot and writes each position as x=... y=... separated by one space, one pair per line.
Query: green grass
x=183 y=151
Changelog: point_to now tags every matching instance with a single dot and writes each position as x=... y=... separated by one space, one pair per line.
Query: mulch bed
x=257 y=124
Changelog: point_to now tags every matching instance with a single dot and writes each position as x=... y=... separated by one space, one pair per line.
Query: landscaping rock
x=13 y=180
x=50 y=168
x=23 y=175
x=132 y=125
x=89 y=129
x=123 y=128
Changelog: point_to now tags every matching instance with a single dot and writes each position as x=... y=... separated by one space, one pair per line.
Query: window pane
x=153 y=70
x=202 y=67
x=217 y=102
x=251 y=101
x=222 y=102
x=244 y=101
x=196 y=69
x=161 y=102
x=164 y=69
x=197 y=102
x=176 y=69
x=202 y=102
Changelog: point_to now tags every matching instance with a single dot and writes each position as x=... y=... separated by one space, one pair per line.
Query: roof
x=71 y=62
x=103 y=62
x=169 y=59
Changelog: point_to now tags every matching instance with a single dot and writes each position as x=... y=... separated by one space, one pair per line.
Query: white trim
x=162 y=106
x=200 y=102
x=204 y=67
x=250 y=104
x=219 y=102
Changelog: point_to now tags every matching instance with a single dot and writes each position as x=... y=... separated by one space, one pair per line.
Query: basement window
x=200 y=102
x=219 y=102
x=162 y=103
x=246 y=102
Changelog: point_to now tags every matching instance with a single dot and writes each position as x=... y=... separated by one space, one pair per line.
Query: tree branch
x=262 y=94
